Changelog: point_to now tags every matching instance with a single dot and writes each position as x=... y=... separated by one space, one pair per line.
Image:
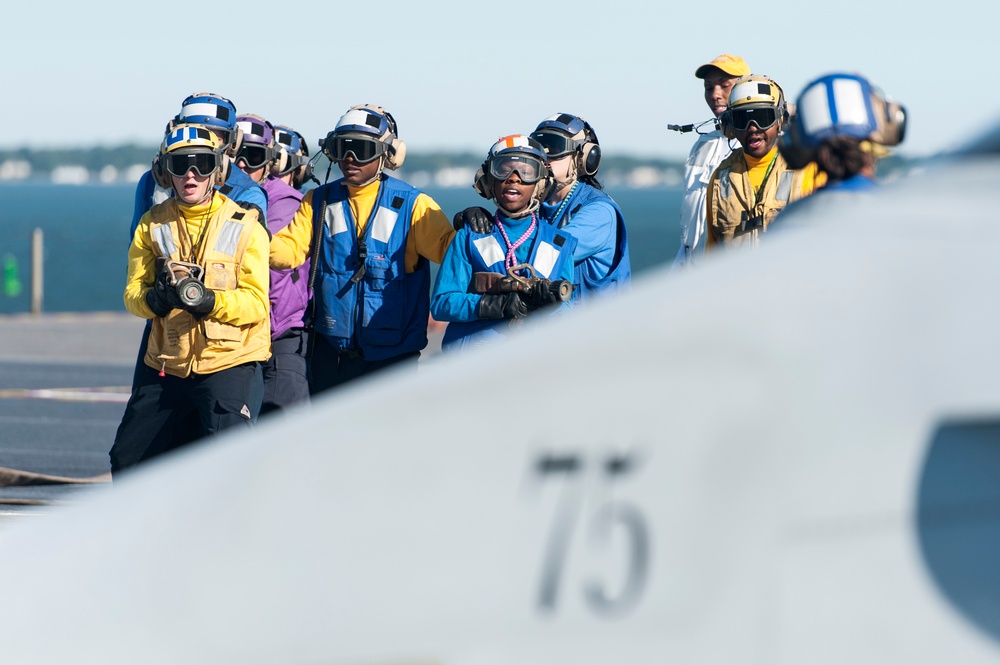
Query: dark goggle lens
x=762 y=117
x=204 y=163
x=363 y=150
x=255 y=156
x=556 y=145
x=529 y=169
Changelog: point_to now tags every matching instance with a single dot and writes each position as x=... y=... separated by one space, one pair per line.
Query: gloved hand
x=502 y=306
x=203 y=307
x=156 y=300
x=478 y=219
x=542 y=294
x=163 y=298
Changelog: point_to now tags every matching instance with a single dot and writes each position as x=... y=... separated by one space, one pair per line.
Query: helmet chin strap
x=378 y=172
x=520 y=214
x=571 y=175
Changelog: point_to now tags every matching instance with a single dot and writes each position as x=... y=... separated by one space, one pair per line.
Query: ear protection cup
x=791 y=147
x=222 y=173
x=159 y=173
x=589 y=156
x=396 y=154
x=483 y=184
x=890 y=121
x=726 y=125
x=236 y=142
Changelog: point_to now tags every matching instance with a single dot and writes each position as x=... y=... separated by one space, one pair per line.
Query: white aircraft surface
x=788 y=455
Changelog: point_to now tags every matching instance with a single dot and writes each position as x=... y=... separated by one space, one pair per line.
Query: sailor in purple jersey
x=270 y=163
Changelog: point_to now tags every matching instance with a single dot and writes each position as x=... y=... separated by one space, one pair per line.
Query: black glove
x=478 y=219
x=163 y=298
x=541 y=294
x=203 y=307
x=156 y=300
x=502 y=306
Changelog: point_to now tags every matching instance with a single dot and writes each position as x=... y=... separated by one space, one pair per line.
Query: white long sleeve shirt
x=706 y=155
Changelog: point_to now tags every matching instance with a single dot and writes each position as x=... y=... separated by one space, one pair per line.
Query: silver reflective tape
x=545 y=259
x=199 y=109
x=383 y=224
x=725 y=185
x=784 y=186
x=335 y=220
x=229 y=238
x=489 y=249
x=163 y=235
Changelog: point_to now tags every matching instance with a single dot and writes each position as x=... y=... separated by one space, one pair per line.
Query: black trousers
x=165 y=413
x=286 y=382
x=330 y=368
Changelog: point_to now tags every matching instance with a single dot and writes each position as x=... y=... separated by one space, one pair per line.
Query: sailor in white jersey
x=706 y=154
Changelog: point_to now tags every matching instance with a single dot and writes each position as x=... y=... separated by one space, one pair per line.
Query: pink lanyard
x=511 y=260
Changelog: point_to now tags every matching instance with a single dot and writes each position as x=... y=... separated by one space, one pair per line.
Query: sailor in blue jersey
x=844 y=124
x=577 y=205
x=516 y=175
x=370 y=237
x=219 y=115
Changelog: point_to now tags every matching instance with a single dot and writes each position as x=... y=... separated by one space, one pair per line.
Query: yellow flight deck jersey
x=734 y=193
x=232 y=247
x=429 y=237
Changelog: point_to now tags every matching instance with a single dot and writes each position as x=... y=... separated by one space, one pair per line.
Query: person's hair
x=590 y=180
x=841 y=157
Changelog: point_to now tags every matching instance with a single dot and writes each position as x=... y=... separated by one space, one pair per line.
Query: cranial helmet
x=258 y=142
x=841 y=105
x=215 y=111
x=292 y=155
x=749 y=93
x=520 y=153
x=189 y=146
x=371 y=123
x=562 y=134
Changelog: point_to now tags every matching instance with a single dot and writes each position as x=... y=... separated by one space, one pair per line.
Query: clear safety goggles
x=763 y=117
x=529 y=168
x=203 y=163
x=556 y=145
x=255 y=156
x=361 y=149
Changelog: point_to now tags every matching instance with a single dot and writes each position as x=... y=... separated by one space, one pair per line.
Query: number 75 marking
x=601 y=525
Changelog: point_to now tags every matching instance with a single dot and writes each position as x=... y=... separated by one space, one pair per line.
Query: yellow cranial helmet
x=754 y=98
x=188 y=146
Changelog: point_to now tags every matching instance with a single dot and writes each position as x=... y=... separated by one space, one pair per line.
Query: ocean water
x=86 y=238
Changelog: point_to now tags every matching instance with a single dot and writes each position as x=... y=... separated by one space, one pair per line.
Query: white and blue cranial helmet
x=846 y=105
x=841 y=105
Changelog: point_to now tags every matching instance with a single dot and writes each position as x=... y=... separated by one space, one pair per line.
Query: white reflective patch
x=784 y=186
x=850 y=99
x=489 y=250
x=229 y=238
x=725 y=185
x=545 y=259
x=814 y=110
x=335 y=220
x=163 y=235
x=383 y=224
x=199 y=109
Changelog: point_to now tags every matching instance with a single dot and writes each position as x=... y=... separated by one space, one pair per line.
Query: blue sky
x=456 y=75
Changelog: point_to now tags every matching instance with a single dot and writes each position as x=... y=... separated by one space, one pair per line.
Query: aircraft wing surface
x=781 y=457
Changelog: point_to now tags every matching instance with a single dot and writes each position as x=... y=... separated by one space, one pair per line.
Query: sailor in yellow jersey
x=209 y=334
x=371 y=237
x=753 y=184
